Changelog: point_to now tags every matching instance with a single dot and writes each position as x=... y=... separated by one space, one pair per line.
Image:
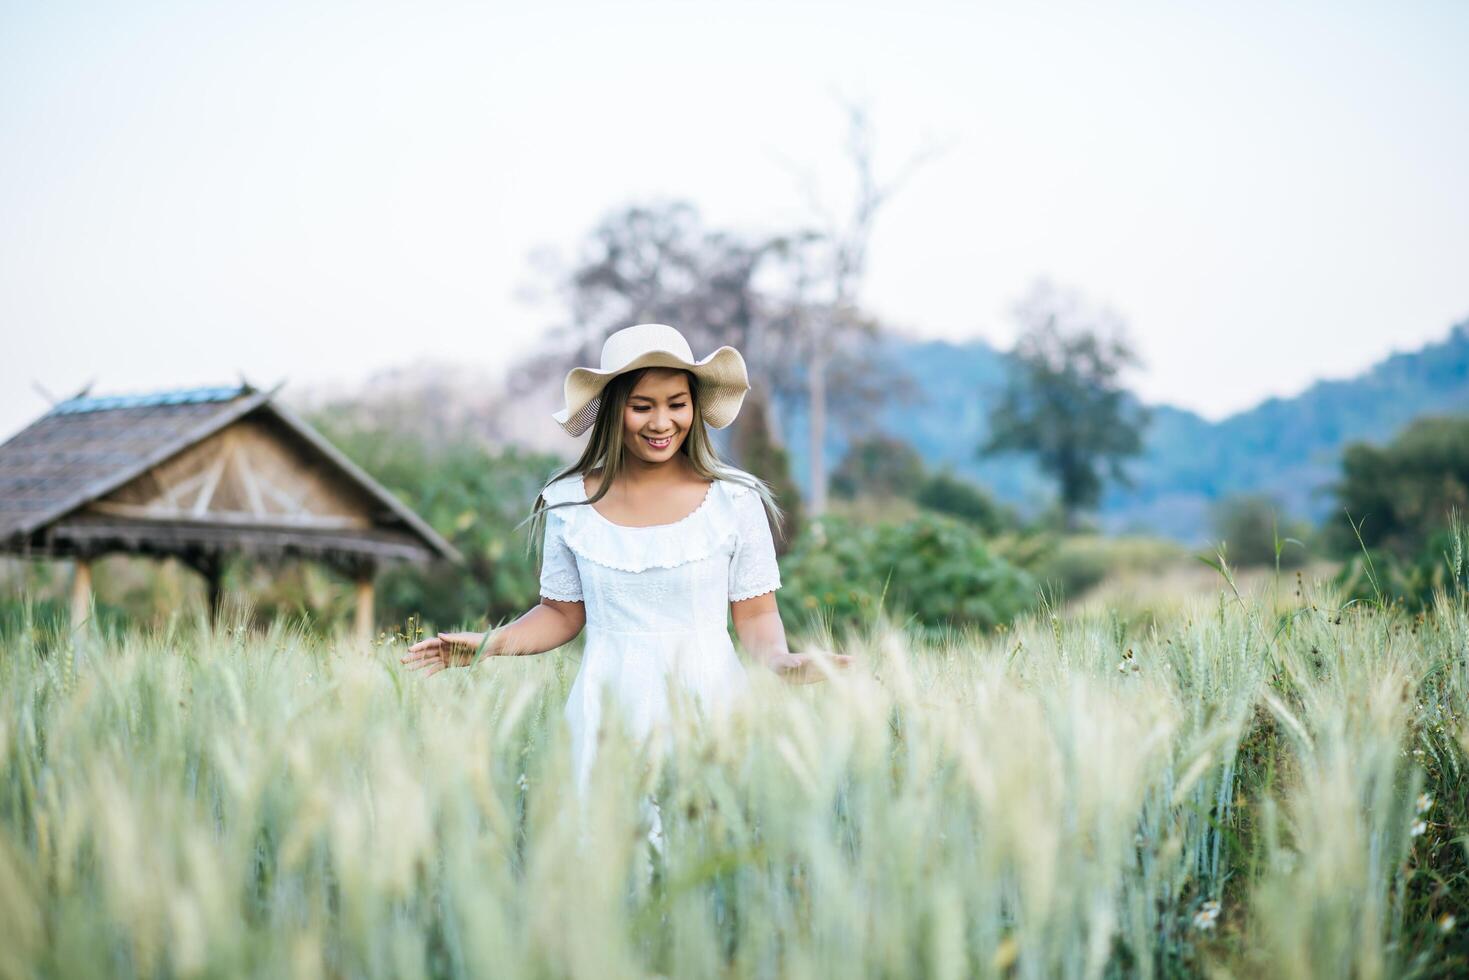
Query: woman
x=650 y=543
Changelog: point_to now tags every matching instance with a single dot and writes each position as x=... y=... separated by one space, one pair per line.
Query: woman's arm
x=757 y=622
x=546 y=626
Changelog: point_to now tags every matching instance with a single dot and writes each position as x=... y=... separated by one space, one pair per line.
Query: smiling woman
x=651 y=543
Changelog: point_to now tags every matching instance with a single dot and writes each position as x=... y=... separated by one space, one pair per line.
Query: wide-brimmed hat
x=722 y=377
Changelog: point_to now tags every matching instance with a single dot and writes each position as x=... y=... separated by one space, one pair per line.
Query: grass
x=1232 y=788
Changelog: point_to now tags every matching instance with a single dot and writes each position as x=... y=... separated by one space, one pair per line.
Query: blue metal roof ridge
x=182 y=396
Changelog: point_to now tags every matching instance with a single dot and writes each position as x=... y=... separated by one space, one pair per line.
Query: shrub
x=1248 y=526
x=1381 y=574
x=946 y=493
x=1399 y=495
x=1068 y=566
x=935 y=568
x=471 y=495
x=879 y=466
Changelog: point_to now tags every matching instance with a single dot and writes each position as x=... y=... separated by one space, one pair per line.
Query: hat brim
x=723 y=383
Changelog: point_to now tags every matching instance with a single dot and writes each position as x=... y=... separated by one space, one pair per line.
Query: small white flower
x=1207 y=915
x=1425 y=802
x=1446 y=923
x=522 y=782
x=1418 y=828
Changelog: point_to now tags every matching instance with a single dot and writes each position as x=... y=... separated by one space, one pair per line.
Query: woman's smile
x=662 y=443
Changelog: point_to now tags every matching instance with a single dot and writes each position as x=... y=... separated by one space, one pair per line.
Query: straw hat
x=722 y=378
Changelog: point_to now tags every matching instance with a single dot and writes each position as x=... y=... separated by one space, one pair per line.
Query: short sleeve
x=560 y=578
x=752 y=570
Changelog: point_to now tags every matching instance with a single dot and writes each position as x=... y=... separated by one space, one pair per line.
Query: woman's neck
x=641 y=473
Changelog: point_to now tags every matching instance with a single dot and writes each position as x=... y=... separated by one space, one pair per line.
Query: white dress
x=657 y=603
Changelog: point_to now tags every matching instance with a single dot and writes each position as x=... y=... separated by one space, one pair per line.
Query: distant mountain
x=1285 y=447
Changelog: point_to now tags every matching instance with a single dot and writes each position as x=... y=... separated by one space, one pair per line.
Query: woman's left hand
x=442 y=651
x=803 y=668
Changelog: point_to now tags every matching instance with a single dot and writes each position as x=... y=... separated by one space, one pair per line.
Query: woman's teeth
x=659 y=443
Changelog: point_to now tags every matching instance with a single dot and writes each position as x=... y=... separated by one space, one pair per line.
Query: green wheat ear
x=484 y=644
x=1219 y=802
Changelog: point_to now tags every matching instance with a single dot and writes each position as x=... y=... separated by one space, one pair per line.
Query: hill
x=1285 y=447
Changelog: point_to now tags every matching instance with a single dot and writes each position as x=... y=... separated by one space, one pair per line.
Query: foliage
x=1397 y=496
x=879 y=465
x=1381 y=575
x=473 y=496
x=1244 y=790
x=1250 y=529
x=756 y=452
x=932 y=567
x=886 y=468
x=769 y=295
x=1068 y=565
x=945 y=492
x=1064 y=400
x=1287 y=448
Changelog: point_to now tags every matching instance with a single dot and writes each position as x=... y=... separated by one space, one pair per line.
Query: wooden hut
x=199 y=474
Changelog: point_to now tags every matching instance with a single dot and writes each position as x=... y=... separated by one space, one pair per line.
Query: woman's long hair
x=604 y=453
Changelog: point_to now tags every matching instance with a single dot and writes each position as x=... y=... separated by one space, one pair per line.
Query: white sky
x=315 y=191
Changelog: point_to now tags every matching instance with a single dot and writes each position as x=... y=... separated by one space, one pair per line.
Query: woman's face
x=659 y=412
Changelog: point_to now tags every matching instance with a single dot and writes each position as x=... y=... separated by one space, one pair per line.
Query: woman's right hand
x=444 y=650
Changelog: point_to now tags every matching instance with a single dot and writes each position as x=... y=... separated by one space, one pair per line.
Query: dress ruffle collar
x=698 y=535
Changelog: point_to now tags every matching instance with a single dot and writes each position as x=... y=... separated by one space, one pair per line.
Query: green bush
x=934 y=568
x=1068 y=566
x=1379 y=574
x=1396 y=497
x=946 y=493
x=474 y=497
x=878 y=466
x=1248 y=526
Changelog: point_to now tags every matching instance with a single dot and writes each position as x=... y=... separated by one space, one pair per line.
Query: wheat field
x=1259 y=784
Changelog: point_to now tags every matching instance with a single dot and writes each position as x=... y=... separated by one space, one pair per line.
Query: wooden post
x=214 y=577
x=211 y=567
x=81 y=591
x=363 y=625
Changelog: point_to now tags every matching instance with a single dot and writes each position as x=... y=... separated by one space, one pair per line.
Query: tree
x=830 y=325
x=1249 y=526
x=878 y=466
x=471 y=494
x=658 y=262
x=1064 y=400
x=759 y=454
x=948 y=493
x=1398 y=495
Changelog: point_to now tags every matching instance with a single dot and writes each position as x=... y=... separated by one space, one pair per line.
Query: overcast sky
x=314 y=191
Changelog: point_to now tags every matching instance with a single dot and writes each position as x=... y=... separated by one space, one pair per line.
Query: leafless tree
x=833 y=327
x=789 y=302
x=655 y=262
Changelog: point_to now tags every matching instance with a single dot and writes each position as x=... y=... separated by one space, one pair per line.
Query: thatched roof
x=204 y=471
